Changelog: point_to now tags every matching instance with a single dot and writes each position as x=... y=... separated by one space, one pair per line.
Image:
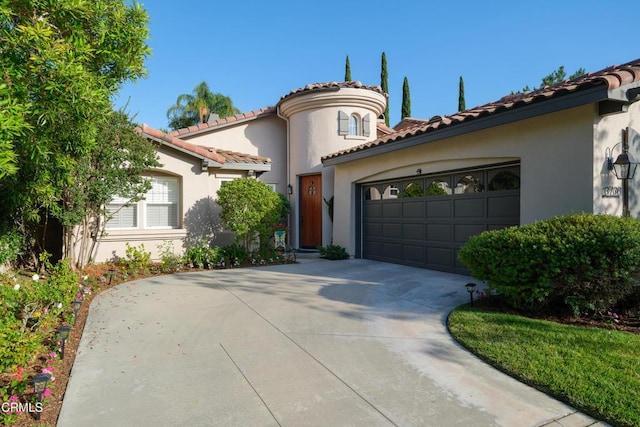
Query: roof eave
x=588 y=96
x=258 y=167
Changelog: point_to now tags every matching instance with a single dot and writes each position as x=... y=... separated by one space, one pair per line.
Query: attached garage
x=424 y=220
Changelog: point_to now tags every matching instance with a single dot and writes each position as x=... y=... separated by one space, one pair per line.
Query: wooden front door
x=310 y=211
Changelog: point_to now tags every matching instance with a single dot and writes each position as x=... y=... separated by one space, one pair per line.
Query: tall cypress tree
x=384 y=84
x=462 y=105
x=347 y=70
x=406 y=99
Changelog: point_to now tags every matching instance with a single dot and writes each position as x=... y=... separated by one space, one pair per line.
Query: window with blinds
x=161 y=203
x=122 y=216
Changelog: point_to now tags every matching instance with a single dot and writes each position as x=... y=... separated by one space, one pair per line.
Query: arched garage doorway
x=423 y=221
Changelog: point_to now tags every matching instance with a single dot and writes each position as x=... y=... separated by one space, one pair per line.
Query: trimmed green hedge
x=587 y=261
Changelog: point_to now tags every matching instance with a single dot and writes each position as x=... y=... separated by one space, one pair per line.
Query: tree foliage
x=347 y=70
x=113 y=168
x=249 y=207
x=462 y=105
x=61 y=62
x=406 y=99
x=191 y=109
x=555 y=77
x=384 y=84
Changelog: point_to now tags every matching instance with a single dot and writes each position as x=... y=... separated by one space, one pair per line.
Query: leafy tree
x=406 y=99
x=61 y=62
x=12 y=125
x=347 y=70
x=113 y=168
x=249 y=207
x=191 y=109
x=384 y=84
x=461 y=102
x=557 y=76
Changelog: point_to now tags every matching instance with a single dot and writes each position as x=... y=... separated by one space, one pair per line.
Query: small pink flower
x=14 y=398
x=47 y=393
x=53 y=354
x=47 y=370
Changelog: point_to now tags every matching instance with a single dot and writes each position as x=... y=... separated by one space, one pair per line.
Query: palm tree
x=194 y=108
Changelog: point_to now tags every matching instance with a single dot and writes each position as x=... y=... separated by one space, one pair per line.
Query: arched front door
x=310 y=211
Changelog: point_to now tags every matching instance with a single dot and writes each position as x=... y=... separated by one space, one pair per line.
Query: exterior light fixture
x=76 y=307
x=418 y=171
x=289 y=189
x=470 y=288
x=40 y=383
x=63 y=334
x=624 y=168
x=112 y=272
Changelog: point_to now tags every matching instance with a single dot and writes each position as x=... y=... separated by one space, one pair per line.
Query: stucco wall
x=198 y=211
x=265 y=136
x=607 y=136
x=555 y=153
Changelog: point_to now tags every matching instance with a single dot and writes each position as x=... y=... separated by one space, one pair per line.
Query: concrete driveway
x=326 y=343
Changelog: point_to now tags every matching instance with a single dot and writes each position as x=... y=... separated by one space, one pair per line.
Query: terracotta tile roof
x=612 y=78
x=235 y=157
x=217 y=155
x=332 y=86
x=251 y=115
x=382 y=130
x=408 y=122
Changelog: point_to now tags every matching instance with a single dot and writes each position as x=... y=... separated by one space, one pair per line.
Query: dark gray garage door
x=423 y=221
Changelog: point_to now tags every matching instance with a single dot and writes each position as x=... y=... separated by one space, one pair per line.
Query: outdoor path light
x=470 y=288
x=76 y=307
x=40 y=383
x=63 y=334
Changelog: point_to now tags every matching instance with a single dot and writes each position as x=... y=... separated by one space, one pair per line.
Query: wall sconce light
x=40 y=383
x=470 y=288
x=418 y=171
x=624 y=168
x=63 y=334
x=289 y=189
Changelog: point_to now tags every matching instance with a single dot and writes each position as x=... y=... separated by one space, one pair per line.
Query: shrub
x=169 y=261
x=201 y=255
x=587 y=261
x=136 y=259
x=333 y=252
x=234 y=255
x=10 y=243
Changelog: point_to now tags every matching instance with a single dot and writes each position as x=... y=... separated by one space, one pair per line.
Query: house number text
x=611 y=191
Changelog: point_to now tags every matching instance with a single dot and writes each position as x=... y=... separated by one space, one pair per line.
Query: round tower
x=323 y=118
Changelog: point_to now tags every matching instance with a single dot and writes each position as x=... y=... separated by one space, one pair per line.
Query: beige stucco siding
x=607 y=137
x=264 y=136
x=555 y=153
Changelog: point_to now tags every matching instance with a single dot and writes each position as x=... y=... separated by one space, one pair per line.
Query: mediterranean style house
x=412 y=194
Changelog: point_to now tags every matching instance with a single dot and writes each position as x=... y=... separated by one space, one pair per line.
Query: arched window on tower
x=353 y=125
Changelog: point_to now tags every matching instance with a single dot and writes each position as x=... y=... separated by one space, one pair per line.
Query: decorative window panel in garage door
x=423 y=221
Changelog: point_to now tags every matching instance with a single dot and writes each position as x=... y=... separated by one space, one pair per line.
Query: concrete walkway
x=321 y=343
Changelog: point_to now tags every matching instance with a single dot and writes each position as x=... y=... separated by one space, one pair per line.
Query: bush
x=169 y=261
x=136 y=259
x=333 y=252
x=201 y=255
x=10 y=243
x=587 y=261
x=234 y=255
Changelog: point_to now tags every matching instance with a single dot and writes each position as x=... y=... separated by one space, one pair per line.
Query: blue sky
x=257 y=51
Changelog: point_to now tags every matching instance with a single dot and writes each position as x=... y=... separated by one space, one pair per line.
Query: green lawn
x=595 y=370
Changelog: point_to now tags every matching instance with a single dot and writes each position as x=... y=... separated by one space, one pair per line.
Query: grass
x=594 y=370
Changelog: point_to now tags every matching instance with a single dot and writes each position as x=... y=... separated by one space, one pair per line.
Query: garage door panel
x=462 y=232
x=373 y=248
x=507 y=206
x=373 y=229
x=413 y=209
x=439 y=209
x=439 y=232
x=414 y=253
x=469 y=208
x=392 y=210
x=392 y=250
x=413 y=231
x=373 y=210
x=392 y=230
x=440 y=257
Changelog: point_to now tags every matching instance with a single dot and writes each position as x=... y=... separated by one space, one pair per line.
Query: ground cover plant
x=596 y=370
